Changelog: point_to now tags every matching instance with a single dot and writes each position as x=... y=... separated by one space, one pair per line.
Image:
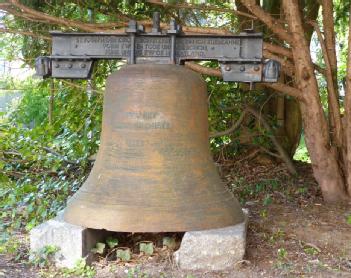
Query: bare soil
x=291 y=232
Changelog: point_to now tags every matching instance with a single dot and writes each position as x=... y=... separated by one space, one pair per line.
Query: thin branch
x=270 y=153
x=329 y=39
x=283 y=155
x=235 y=126
x=200 y=7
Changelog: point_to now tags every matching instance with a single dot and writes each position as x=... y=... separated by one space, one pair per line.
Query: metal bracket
x=240 y=56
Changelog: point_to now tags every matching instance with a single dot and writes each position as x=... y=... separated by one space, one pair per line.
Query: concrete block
x=74 y=242
x=213 y=250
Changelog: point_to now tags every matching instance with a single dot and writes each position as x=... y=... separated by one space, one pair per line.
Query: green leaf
x=169 y=242
x=124 y=254
x=99 y=248
x=146 y=247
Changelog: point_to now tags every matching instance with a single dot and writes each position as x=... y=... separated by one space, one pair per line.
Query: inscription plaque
x=187 y=47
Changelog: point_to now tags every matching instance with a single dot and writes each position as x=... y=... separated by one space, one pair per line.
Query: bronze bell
x=154 y=171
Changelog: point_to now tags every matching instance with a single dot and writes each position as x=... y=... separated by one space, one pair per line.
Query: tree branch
x=285 y=89
x=200 y=7
x=334 y=109
x=203 y=70
x=329 y=39
x=286 y=52
x=273 y=24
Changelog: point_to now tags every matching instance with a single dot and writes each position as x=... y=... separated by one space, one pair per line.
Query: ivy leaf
x=124 y=254
x=112 y=242
x=99 y=248
x=169 y=242
x=146 y=247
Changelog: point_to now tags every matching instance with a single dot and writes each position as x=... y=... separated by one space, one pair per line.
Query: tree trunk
x=324 y=157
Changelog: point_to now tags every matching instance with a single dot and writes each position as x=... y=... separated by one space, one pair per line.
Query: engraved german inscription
x=147 y=120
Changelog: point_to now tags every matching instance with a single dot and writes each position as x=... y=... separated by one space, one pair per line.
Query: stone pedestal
x=209 y=250
x=213 y=250
x=74 y=242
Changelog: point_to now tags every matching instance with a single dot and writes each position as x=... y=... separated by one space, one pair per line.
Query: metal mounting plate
x=240 y=56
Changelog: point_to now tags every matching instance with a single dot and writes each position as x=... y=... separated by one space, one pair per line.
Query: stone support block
x=213 y=250
x=74 y=242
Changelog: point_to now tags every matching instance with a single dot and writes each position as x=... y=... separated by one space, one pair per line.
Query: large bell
x=154 y=171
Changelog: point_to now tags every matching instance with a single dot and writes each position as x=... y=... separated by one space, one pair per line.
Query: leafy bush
x=42 y=164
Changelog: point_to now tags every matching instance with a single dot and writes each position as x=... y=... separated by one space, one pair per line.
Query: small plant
x=267 y=200
x=111 y=242
x=146 y=247
x=8 y=244
x=277 y=235
x=136 y=273
x=282 y=253
x=124 y=254
x=99 y=248
x=169 y=242
x=264 y=213
x=348 y=219
x=43 y=257
x=311 y=251
x=81 y=269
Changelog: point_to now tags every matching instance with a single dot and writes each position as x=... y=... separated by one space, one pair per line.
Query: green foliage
x=8 y=244
x=41 y=165
x=226 y=103
x=251 y=191
x=43 y=257
x=81 y=269
x=136 y=272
